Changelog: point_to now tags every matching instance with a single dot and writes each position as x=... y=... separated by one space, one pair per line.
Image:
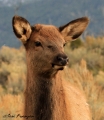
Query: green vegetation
x=86 y=71
x=12 y=69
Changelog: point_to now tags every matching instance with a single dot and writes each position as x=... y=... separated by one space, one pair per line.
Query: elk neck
x=41 y=94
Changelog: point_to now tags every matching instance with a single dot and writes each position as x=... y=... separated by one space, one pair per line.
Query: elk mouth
x=58 y=67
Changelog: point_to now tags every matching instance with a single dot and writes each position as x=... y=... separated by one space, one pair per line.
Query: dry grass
x=11 y=104
x=81 y=77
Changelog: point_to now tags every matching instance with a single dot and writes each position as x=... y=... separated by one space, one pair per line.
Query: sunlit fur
x=47 y=95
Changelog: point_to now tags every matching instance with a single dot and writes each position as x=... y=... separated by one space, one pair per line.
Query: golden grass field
x=85 y=70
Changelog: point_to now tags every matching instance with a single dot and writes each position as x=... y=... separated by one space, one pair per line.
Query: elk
x=47 y=95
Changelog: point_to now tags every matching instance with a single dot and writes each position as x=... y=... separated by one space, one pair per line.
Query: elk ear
x=21 y=28
x=74 y=29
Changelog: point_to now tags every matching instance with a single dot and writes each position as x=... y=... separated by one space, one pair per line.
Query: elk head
x=44 y=44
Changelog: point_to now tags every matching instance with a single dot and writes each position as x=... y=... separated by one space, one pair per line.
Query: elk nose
x=62 y=59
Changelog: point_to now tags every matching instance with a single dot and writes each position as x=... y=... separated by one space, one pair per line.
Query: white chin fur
x=58 y=67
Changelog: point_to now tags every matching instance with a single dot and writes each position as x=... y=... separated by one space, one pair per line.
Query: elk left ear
x=74 y=29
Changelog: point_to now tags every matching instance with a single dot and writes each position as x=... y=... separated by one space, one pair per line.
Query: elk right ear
x=21 y=28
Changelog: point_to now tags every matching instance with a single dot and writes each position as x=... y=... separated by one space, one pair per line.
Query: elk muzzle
x=60 y=61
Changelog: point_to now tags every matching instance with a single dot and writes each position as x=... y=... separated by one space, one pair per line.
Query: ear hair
x=74 y=29
x=21 y=28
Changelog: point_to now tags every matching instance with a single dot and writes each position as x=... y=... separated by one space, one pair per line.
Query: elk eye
x=49 y=46
x=37 y=43
x=64 y=44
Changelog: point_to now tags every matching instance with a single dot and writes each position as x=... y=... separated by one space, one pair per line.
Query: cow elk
x=47 y=95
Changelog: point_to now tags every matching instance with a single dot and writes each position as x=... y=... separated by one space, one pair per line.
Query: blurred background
x=86 y=55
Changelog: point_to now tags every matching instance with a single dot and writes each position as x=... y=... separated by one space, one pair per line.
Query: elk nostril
x=59 y=58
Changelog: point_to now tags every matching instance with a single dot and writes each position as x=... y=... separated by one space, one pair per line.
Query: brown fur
x=47 y=96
